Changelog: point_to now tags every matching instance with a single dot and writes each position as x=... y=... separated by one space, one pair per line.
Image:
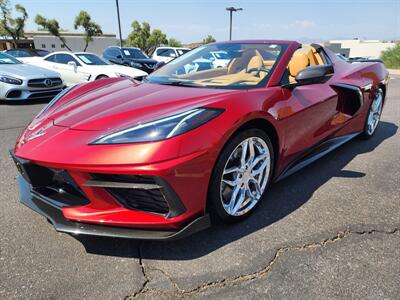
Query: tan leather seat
x=255 y=64
x=298 y=62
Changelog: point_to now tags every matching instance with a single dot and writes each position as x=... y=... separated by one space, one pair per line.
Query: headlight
x=136 y=65
x=162 y=129
x=55 y=99
x=122 y=75
x=10 y=80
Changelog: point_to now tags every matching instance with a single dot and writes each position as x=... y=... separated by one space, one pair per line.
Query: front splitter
x=60 y=223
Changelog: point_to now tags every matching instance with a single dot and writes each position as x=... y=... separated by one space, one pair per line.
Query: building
x=6 y=44
x=74 y=40
x=360 y=48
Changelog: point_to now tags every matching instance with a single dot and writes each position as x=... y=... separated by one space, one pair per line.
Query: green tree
x=13 y=27
x=52 y=27
x=209 y=39
x=3 y=32
x=142 y=37
x=391 y=57
x=174 y=43
x=90 y=27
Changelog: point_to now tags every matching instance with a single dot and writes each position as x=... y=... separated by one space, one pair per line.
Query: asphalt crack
x=231 y=281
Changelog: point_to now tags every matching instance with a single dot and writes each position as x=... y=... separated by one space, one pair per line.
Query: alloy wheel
x=245 y=176
x=374 y=113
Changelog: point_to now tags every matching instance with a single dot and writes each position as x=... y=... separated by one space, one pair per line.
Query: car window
x=166 y=52
x=42 y=53
x=12 y=52
x=22 y=53
x=65 y=58
x=91 y=59
x=182 y=51
x=114 y=52
x=6 y=59
x=133 y=53
x=51 y=58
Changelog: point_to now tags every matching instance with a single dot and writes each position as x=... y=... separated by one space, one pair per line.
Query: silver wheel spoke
x=251 y=151
x=244 y=153
x=260 y=169
x=229 y=182
x=239 y=201
x=231 y=170
x=234 y=196
x=258 y=159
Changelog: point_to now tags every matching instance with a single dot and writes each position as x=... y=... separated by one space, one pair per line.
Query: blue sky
x=192 y=20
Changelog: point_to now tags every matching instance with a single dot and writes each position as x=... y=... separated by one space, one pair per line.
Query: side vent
x=350 y=98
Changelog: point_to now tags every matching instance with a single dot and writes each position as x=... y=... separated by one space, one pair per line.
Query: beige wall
x=364 y=48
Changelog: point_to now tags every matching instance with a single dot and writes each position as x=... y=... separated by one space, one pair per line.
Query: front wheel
x=241 y=175
x=374 y=115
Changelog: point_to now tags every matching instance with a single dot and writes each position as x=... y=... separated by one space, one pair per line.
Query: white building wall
x=364 y=48
x=97 y=46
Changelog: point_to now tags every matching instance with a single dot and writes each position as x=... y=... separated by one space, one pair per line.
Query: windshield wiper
x=179 y=83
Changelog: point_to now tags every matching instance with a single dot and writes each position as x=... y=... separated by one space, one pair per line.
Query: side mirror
x=159 y=65
x=314 y=74
x=73 y=64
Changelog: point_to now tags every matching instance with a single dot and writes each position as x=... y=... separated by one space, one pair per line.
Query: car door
x=71 y=70
x=310 y=114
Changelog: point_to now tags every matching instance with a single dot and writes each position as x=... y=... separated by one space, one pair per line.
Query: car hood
x=116 y=103
x=25 y=71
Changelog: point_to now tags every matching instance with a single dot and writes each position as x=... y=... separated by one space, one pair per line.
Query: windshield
x=6 y=59
x=42 y=53
x=133 y=53
x=249 y=65
x=91 y=59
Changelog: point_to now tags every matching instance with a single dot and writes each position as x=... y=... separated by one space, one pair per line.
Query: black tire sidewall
x=214 y=202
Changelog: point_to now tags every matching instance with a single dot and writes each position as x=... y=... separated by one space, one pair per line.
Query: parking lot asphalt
x=331 y=230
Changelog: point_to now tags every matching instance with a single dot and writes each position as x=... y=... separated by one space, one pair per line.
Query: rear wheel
x=241 y=175
x=374 y=115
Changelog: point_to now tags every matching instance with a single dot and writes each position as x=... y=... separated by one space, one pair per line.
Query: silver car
x=20 y=81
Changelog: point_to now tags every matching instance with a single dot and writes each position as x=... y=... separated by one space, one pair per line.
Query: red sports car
x=154 y=159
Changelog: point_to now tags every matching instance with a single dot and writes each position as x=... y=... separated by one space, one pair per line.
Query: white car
x=219 y=59
x=166 y=54
x=82 y=66
x=20 y=82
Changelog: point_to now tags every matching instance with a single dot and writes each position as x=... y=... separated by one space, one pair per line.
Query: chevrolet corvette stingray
x=160 y=158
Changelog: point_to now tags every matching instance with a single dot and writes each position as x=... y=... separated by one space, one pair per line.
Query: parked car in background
x=20 y=81
x=25 y=54
x=131 y=57
x=219 y=59
x=82 y=66
x=167 y=54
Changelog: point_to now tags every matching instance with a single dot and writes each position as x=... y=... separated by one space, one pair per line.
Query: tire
x=101 y=77
x=248 y=188
x=373 y=116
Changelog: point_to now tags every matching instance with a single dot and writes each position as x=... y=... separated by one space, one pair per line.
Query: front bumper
x=98 y=214
x=54 y=214
x=22 y=92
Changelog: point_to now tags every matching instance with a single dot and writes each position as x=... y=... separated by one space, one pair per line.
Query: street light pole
x=231 y=10
x=119 y=23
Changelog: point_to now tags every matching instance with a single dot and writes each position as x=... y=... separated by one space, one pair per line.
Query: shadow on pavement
x=284 y=197
x=24 y=102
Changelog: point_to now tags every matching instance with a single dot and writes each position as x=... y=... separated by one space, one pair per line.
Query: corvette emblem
x=35 y=135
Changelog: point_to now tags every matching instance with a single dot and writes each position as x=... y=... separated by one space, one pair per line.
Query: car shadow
x=24 y=102
x=285 y=197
